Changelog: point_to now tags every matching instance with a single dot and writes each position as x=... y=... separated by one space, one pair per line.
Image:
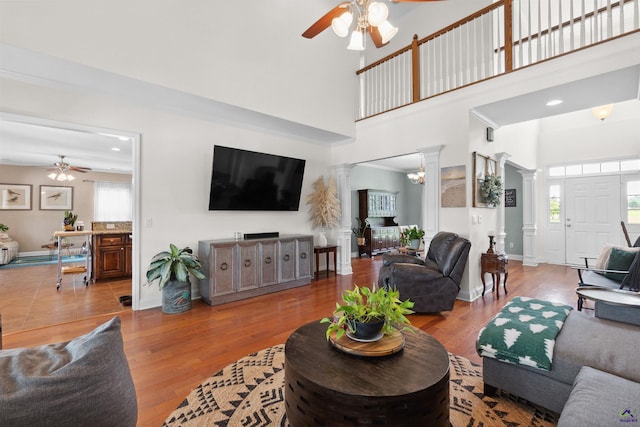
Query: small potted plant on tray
x=69 y=221
x=412 y=237
x=368 y=314
x=172 y=269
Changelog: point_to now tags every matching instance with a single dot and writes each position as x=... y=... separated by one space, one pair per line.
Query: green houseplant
x=362 y=306
x=359 y=230
x=172 y=269
x=491 y=190
x=3 y=228
x=69 y=221
x=412 y=237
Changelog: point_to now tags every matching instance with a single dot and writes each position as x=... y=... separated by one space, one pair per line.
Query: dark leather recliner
x=433 y=283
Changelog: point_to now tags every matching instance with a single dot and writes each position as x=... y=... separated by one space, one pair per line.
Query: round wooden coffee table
x=328 y=387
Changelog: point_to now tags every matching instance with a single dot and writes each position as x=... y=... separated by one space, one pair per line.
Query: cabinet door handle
x=247 y=263
x=286 y=257
x=122 y=249
x=267 y=260
x=224 y=266
x=303 y=255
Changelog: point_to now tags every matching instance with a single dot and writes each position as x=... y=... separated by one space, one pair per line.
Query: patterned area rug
x=249 y=392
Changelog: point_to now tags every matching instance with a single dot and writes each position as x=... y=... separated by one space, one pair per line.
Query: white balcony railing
x=498 y=39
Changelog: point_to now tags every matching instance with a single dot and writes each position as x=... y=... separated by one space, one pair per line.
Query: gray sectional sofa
x=588 y=351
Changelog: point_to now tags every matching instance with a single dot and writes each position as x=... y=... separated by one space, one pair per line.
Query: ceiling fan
x=60 y=171
x=371 y=17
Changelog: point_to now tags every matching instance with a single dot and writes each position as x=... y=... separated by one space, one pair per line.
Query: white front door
x=592 y=216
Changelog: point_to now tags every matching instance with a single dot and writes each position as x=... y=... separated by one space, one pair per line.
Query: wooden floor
x=171 y=354
x=29 y=299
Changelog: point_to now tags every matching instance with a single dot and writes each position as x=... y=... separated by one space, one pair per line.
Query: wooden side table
x=494 y=264
x=317 y=250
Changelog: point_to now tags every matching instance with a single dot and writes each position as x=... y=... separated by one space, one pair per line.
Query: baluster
x=610 y=18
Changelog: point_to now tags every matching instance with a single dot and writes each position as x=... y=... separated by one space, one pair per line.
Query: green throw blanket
x=523 y=332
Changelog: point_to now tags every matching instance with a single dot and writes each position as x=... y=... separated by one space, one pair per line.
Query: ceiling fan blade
x=412 y=1
x=323 y=23
x=375 y=36
x=79 y=169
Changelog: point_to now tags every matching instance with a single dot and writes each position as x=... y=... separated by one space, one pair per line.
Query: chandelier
x=417 y=177
x=371 y=16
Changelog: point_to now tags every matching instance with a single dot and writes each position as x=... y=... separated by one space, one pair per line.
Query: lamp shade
x=377 y=13
x=387 y=31
x=357 y=41
x=340 y=25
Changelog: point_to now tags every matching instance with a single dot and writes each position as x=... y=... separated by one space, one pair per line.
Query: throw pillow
x=620 y=259
x=82 y=382
x=603 y=258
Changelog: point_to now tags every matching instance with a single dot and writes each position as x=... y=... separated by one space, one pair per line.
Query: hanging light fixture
x=371 y=17
x=417 y=177
x=602 y=112
x=61 y=170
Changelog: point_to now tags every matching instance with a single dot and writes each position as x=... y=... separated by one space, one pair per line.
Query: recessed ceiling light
x=115 y=149
x=554 y=102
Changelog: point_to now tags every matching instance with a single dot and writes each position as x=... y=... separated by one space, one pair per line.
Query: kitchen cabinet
x=112 y=255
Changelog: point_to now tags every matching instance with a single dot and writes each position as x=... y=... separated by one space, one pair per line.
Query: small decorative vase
x=322 y=239
x=176 y=297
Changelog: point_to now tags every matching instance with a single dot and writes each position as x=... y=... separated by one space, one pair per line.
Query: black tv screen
x=249 y=181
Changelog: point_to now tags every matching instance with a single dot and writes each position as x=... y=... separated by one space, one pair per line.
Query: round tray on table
x=388 y=344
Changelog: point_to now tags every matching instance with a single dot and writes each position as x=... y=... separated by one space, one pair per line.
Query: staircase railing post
x=415 y=69
x=508 y=35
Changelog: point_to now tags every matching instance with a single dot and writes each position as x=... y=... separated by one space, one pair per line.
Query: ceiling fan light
x=70 y=177
x=377 y=13
x=340 y=25
x=52 y=175
x=387 y=31
x=357 y=41
x=61 y=176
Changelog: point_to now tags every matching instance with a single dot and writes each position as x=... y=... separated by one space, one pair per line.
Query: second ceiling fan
x=370 y=17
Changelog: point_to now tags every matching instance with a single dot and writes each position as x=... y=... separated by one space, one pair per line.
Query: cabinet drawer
x=112 y=239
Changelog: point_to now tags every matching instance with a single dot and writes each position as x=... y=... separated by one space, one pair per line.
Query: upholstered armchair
x=433 y=283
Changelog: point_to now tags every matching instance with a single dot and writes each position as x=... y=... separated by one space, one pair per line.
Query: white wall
x=244 y=53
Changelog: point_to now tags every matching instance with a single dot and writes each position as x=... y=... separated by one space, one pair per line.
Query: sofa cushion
x=85 y=381
x=600 y=399
x=620 y=259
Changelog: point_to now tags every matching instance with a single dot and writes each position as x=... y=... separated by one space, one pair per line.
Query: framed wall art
x=482 y=166
x=453 y=187
x=15 y=197
x=510 y=198
x=56 y=198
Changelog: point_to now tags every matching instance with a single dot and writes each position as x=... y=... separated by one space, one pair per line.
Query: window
x=633 y=202
x=609 y=166
x=554 y=203
x=112 y=201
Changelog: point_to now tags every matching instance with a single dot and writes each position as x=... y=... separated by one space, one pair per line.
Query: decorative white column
x=431 y=192
x=529 y=222
x=500 y=235
x=343 y=231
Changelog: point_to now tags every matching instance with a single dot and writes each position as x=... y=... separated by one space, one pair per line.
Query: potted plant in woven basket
x=172 y=269
x=360 y=230
x=366 y=314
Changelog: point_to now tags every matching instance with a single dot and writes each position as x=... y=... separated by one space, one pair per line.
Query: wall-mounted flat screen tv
x=249 y=181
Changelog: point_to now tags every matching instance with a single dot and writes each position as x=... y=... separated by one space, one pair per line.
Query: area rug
x=250 y=392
